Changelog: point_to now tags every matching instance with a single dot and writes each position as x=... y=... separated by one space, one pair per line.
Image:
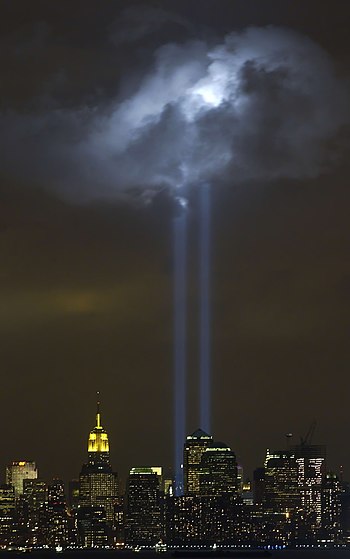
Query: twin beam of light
x=204 y=318
x=180 y=327
x=180 y=333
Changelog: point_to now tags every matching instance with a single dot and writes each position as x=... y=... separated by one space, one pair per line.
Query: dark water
x=77 y=554
x=311 y=554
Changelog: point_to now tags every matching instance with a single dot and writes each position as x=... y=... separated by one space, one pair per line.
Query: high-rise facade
x=194 y=448
x=7 y=515
x=311 y=461
x=92 y=527
x=331 y=509
x=35 y=494
x=143 y=524
x=281 y=491
x=57 y=517
x=218 y=471
x=211 y=509
x=17 y=472
x=73 y=494
x=259 y=486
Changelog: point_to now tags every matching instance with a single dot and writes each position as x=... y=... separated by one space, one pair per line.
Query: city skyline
x=98 y=443
x=292 y=501
x=86 y=236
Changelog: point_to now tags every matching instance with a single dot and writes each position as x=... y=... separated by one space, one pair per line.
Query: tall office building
x=143 y=524
x=247 y=493
x=218 y=471
x=240 y=477
x=311 y=461
x=7 y=515
x=281 y=490
x=17 y=472
x=92 y=527
x=258 y=486
x=73 y=494
x=35 y=493
x=98 y=484
x=57 y=517
x=35 y=504
x=331 y=509
x=194 y=448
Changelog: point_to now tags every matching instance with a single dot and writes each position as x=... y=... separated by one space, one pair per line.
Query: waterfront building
x=92 y=527
x=57 y=517
x=143 y=524
x=311 y=461
x=258 y=486
x=35 y=499
x=7 y=515
x=331 y=512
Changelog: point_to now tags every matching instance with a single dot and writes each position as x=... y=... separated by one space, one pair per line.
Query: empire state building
x=98 y=484
x=98 y=445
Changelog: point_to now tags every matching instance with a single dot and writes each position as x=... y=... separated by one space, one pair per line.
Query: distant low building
x=17 y=472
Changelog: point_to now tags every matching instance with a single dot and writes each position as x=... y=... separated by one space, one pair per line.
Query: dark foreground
x=246 y=554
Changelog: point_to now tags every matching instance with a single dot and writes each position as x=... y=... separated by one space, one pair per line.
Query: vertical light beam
x=180 y=292
x=204 y=317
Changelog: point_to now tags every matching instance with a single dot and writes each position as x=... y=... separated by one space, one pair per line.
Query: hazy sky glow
x=103 y=116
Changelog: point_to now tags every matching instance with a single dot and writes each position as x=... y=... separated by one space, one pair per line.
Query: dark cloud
x=140 y=21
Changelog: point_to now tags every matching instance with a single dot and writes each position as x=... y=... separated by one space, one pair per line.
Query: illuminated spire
x=98 y=444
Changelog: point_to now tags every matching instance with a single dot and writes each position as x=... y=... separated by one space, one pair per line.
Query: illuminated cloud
x=262 y=105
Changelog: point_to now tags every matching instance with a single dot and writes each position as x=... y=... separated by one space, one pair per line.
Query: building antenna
x=307 y=440
x=98 y=411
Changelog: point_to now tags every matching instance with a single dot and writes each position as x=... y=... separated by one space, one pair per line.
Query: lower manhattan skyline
x=293 y=501
x=174 y=236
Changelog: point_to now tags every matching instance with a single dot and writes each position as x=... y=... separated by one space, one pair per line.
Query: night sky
x=86 y=281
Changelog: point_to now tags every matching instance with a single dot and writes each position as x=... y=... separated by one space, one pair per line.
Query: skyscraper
x=194 y=448
x=7 y=515
x=331 y=509
x=73 y=494
x=92 y=527
x=98 y=484
x=35 y=501
x=218 y=471
x=16 y=472
x=143 y=508
x=281 y=492
x=57 y=517
x=311 y=461
x=258 y=486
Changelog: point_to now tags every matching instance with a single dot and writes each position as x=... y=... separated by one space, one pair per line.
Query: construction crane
x=307 y=440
